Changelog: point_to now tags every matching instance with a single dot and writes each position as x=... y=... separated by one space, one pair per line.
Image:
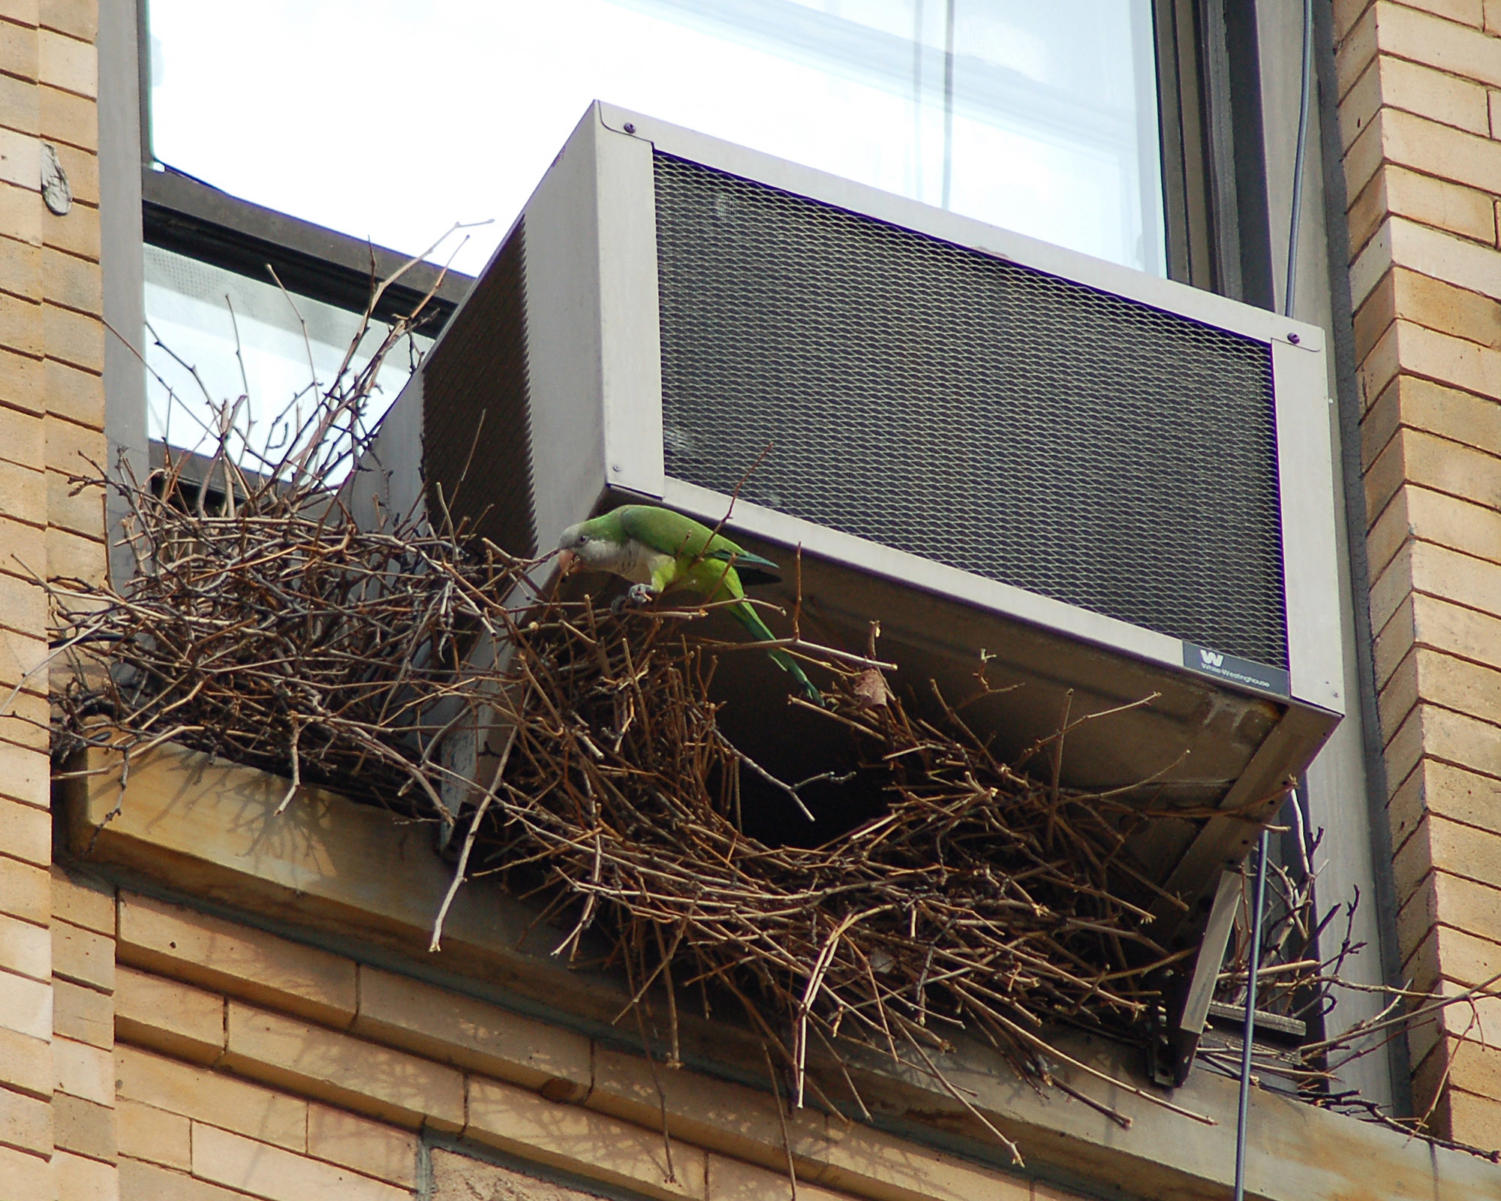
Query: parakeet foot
x=640 y=594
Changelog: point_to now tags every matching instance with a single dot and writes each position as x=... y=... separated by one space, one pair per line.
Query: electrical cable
x=1253 y=953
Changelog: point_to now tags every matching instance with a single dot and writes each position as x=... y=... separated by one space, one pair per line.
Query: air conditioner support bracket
x=1172 y=1052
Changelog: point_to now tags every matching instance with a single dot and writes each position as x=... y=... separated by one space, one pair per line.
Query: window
x=390 y=121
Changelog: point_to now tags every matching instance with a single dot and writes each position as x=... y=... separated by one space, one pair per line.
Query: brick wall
x=56 y=1090
x=248 y=1062
x=1420 y=111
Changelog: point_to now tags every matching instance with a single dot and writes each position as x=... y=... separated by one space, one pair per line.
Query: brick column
x=56 y=1093
x=1420 y=113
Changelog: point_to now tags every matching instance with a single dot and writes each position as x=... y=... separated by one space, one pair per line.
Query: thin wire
x=1253 y=956
x=1295 y=221
x=1294 y=225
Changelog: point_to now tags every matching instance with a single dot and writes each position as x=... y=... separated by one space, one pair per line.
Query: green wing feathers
x=711 y=565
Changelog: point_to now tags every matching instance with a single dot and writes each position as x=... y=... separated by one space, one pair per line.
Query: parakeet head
x=590 y=543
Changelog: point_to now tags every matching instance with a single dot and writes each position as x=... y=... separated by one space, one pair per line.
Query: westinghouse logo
x=1238 y=671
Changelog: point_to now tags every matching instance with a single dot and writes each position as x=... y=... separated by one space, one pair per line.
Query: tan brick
x=1368 y=209
x=84 y=1071
x=371 y=1148
x=77 y=232
x=26 y=832
x=21 y=325
x=1437 y=95
x=734 y=1180
x=76 y=450
x=1452 y=793
x=20 y=159
x=68 y=63
x=1421 y=404
x=151 y=1182
x=20 y=217
x=19 y=110
x=77 y=18
x=25 y=1122
x=727 y=1118
x=84 y=1014
x=21 y=661
x=1471 y=1119
x=71 y=282
x=1355 y=51
x=1459 y=261
x=73 y=505
x=458 y=1175
x=1399 y=694
x=83 y=1127
x=1448 y=900
x=74 y=338
x=452 y=1028
x=81 y=169
x=77 y=1176
x=1468 y=852
x=25 y=891
x=169 y=1016
x=1457 y=956
x=21 y=438
x=1380 y=365
x=72 y=393
x=343 y=1070
x=23 y=608
x=83 y=902
x=1466 y=12
x=266 y=1171
x=1376 y=313
x=1346 y=13
x=861 y=1157
x=1431 y=39
x=23 y=493
x=1465 y=687
x=20 y=381
x=1434 y=149
x=83 y=956
x=72 y=556
x=25 y=948
x=1403 y=749
x=1358 y=108
x=25 y=1174
x=18 y=47
x=1464 y=579
x=261 y=1113
x=567 y=1137
x=1492 y=16
x=26 y=1064
x=1365 y=155
x=177 y=941
x=68 y=119
x=153 y=1134
x=1450 y=309
x=1438 y=464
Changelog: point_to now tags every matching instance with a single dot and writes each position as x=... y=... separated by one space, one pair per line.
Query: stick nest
x=265 y=625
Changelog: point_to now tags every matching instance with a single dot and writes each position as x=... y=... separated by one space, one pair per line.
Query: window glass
x=204 y=324
x=391 y=121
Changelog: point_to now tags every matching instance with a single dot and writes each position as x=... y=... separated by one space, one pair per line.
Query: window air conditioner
x=1114 y=486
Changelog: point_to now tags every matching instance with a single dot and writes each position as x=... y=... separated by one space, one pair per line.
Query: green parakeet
x=662 y=551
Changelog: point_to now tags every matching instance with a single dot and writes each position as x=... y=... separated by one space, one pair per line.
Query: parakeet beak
x=566 y=560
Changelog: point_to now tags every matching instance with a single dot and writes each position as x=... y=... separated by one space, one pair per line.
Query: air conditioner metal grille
x=967 y=409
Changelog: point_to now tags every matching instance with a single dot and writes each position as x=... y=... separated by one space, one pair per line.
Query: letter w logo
x=1211 y=658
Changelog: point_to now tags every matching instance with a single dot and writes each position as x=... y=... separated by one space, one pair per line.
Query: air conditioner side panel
x=1311 y=579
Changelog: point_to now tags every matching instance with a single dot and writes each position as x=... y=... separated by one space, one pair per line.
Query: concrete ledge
x=209 y=829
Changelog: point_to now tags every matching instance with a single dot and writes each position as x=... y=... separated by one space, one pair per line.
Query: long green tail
x=751 y=620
